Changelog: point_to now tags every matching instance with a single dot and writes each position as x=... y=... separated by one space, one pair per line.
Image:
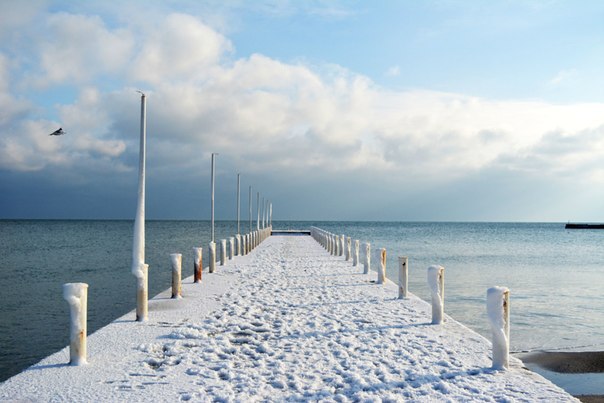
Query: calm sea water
x=555 y=275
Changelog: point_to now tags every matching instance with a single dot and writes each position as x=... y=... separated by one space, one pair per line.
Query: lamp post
x=238 y=201
x=250 y=203
x=213 y=181
x=139 y=268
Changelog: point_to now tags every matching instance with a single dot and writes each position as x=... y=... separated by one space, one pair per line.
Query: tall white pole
x=139 y=269
x=213 y=180
x=238 y=202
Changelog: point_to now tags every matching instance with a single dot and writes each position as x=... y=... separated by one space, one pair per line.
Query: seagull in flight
x=57 y=132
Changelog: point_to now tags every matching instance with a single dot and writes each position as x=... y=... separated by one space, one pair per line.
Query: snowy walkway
x=286 y=322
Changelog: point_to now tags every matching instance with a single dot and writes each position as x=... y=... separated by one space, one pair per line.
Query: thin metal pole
x=213 y=180
x=250 y=208
x=258 y=210
x=262 y=212
x=138 y=250
x=238 y=201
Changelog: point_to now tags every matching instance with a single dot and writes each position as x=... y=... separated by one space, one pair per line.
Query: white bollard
x=355 y=254
x=142 y=293
x=231 y=247
x=348 y=251
x=498 y=311
x=381 y=279
x=176 y=260
x=76 y=295
x=342 y=244
x=403 y=276
x=212 y=250
x=238 y=245
x=197 y=264
x=223 y=251
x=367 y=261
x=436 y=283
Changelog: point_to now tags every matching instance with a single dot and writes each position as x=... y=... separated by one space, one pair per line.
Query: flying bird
x=57 y=132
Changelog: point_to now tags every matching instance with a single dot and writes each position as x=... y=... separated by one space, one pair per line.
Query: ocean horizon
x=550 y=272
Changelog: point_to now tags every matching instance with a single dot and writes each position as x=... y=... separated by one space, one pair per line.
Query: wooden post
x=382 y=268
x=403 y=276
x=436 y=282
x=176 y=259
x=231 y=247
x=197 y=264
x=498 y=312
x=76 y=295
x=367 y=261
x=348 y=251
x=142 y=293
x=355 y=254
x=223 y=251
x=342 y=244
x=212 y=250
x=238 y=250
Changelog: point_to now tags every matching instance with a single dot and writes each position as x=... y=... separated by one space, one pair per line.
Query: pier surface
x=286 y=322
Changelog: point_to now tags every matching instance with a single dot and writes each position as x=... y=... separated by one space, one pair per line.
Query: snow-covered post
x=231 y=247
x=403 y=276
x=348 y=247
x=139 y=268
x=382 y=268
x=197 y=264
x=176 y=259
x=367 y=261
x=355 y=254
x=212 y=250
x=498 y=311
x=436 y=283
x=76 y=295
x=223 y=251
x=142 y=293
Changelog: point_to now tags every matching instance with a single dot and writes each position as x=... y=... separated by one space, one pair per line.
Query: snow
x=285 y=322
x=497 y=314
x=436 y=284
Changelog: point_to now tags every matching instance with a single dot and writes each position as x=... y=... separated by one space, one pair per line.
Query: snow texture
x=288 y=322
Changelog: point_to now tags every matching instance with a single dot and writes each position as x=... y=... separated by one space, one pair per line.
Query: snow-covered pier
x=288 y=321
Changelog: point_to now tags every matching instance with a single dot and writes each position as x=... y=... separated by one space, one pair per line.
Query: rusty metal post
x=76 y=295
x=381 y=279
x=197 y=264
x=176 y=260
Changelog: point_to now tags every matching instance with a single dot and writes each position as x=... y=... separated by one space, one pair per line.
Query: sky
x=437 y=110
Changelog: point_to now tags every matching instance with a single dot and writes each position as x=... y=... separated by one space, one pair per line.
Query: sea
x=555 y=275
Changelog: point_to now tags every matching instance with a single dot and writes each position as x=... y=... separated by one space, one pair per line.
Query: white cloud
x=274 y=117
x=179 y=48
x=78 y=48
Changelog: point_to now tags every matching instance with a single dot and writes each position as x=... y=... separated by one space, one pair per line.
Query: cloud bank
x=294 y=128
